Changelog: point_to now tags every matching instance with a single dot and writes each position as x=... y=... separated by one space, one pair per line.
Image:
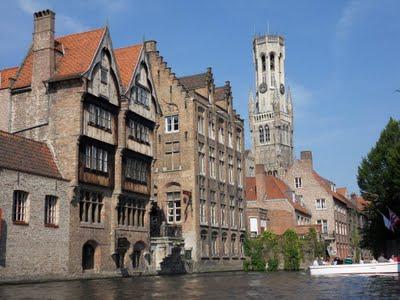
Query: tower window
x=272 y=61
x=263 y=63
x=261 y=129
x=267 y=133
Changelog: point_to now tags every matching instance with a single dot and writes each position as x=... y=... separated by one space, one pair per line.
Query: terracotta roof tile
x=5 y=75
x=250 y=188
x=127 y=59
x=25 y=155
x=326 y=184
x=78 y=52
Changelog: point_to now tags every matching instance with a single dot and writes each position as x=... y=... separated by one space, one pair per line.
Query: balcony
x=170 y=230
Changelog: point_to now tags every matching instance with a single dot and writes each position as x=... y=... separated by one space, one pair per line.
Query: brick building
x=273 y=206
x=199 y=165
x=34 y=218
x=328 y=207
x=96 y=108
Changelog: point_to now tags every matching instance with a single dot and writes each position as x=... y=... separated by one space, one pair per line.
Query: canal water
x=233 y=285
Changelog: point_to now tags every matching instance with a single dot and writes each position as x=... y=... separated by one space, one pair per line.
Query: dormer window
x=140 y=95
x=103 y=75
x=99 y=117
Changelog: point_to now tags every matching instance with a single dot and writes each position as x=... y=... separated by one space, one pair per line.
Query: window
x=238 y=142
x=99 y=117
x=239 y=173
x=221 y=135
x=103 y=75
x=267 y=134
x=174 y=207
x=138 y=131
x=320 y=204
x=172 y=155
x=202 y=159
x=297 y=182
x=172 y=124
x=136 y=169
x=230 y=139
x=221 y=167
x=324 y=224
x=90 y=207
x=140 y=95
x=223 y=215
x=241 y=249
x=212 y=162
x=263 y=64
x=253 y=226
x=241 y=218
x=224 y=244
x=214 y=214
x=200 y=123
x=262 y=137
x=272 y=61
x=232 y=217
x=131 y=212
x=214 y=244
x=203 y=216
x=96 y=158
x=50 y=210
x=230 y=169
x=211 y=130
x=20 y=207
x=204 y=243
x=233 y=244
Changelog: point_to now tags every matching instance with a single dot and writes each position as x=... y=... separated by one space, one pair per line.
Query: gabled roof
x=25 y=155
x=77 y=53
x=193 y=82
x=5 y=75
x=326 y=184
x=221 y=93
x=127 y=59
x=275 y=189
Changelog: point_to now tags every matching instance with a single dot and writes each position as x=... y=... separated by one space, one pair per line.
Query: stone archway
x=90 y=256
x=137 y=253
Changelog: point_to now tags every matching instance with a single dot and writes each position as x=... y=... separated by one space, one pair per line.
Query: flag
x=387 y=222
x=394 y=219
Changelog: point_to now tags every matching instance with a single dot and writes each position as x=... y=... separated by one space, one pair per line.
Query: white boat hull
x=377 y=268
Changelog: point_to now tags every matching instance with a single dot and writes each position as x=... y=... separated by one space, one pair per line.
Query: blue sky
x=342 y=58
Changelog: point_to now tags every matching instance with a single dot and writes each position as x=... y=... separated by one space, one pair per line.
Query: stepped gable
x=74 y=54
x=326 y=184
x=5 y=76
x=127 y=59
x=25 y=155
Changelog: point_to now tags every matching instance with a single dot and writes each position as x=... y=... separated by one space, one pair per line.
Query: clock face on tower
x=282 y=89
x=262 y=87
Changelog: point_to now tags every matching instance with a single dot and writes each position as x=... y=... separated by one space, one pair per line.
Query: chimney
x=306 y=156
x=43 y=47
x=150 y=46
x=260 y=181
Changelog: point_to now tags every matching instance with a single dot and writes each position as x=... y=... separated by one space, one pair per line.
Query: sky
x=342 y=58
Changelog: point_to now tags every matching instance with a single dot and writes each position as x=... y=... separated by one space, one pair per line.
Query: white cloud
x=353 y=13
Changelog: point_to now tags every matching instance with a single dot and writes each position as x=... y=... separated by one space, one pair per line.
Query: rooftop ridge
x=82 y=32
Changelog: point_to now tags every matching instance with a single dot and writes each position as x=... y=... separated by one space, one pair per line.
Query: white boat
x=372 y=268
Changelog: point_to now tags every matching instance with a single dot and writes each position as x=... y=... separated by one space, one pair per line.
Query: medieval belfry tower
x=270 y=109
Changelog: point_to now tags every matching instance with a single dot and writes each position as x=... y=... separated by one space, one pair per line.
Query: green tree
x=379 y=182
x=291 y=250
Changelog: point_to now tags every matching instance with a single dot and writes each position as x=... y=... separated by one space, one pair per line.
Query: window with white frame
x=297 y=182
x=324 y=225
x=320 y=204
x=212 y=162
x=171 y=124
x=230 y=169
x=20 y=207
x=96 y=158
x=90 y=207
x=172 y=155
x=174 y=207
x=50 y=210
x=202 y=159
x=230 y=139
x=99 y=117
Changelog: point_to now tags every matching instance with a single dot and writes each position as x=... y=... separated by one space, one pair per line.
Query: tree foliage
x=379 y=182
x=291 y=250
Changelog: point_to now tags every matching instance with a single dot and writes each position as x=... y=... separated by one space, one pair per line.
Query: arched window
x=204 y=243
x=272 y=61
x=214 y=244
x=233 y=244
x=137 y=253
x=267 y=134
x=263 y=63
x=275 y=173
x=262 y=138
x=224 y=244
x=241 y=249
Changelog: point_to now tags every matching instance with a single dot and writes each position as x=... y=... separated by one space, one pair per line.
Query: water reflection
x=282 y=285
